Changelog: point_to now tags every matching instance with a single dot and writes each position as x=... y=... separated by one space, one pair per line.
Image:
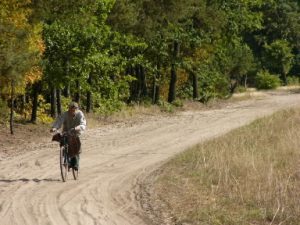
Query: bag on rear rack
x=74 y=145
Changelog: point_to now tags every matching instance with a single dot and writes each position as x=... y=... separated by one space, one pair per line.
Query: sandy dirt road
x=116 y=160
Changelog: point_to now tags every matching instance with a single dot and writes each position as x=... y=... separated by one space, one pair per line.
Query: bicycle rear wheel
x=64 y=167
x=75 y=173
x=75 y=166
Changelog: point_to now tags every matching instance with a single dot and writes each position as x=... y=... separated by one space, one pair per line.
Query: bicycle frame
x=65 y=159
x=64 y=144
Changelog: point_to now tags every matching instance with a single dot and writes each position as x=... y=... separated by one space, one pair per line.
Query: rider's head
x=73 y=106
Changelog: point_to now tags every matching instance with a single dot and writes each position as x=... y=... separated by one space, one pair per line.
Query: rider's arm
x=82 y=123
x=59 y=121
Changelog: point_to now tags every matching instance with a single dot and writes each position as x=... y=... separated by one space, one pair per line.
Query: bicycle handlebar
x=71 y=132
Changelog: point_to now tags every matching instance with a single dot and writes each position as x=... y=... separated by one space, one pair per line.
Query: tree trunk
x=58 y=101
x=173 y=80
x=233 y=85
x=34 y=102
x=138 y=82
x=11 y=119
x=172 y=87
x=156 y=89
x=130 y=71
x=284 y=79
x=195 y=86
x=66 y=90
x=135 y=85
x=89 y=96
x=245 y=81
x=53 y=102
x=144 y=90
x=77 y=93
x=22 y=107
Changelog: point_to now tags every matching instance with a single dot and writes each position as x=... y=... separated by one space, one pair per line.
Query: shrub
x=4 y=111
x=212 y=84
x=166 y=106
x=240 y=89
x=177 y=103
x=185 y=91
x=292 y=80
x=265 y=80
x=42 y=112
x=110 y=96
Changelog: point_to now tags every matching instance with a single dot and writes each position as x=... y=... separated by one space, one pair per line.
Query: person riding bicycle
x=72 y=121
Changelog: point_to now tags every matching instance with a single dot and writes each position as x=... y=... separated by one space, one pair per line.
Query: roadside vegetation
x=249 y=176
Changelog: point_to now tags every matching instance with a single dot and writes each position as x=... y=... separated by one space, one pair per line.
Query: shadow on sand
x=25 y=180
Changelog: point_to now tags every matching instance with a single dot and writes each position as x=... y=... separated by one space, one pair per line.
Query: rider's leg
x=77 y=161
x=78 y=155
x=75 y=158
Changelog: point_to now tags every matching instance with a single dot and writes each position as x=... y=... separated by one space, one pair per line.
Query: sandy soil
x=116 y=162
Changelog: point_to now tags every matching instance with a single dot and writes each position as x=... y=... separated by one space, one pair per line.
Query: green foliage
x=177 y=103
x=292 y=80
x=65 y=103
x=279 y=36
x=106 y=106
x=241 y=16
x=279 y=57
x=111 y=95
x=240 y=89
x=234 y=60
x=212 y=84
x=280 y=21
x=265 y=80
x=43 y=111
x=166 y=106
x=185 y=91
x=19 y=51
x=91 y=46
x=4 y=111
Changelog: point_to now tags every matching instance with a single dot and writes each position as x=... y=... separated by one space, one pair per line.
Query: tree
x=72 y=45
x=280 y=21
x=20 y=49
x=279 y=58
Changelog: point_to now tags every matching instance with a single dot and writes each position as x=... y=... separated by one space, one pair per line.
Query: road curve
x=116 y=159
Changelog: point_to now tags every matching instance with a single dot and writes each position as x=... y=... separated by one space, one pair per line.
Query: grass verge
x=249 y=176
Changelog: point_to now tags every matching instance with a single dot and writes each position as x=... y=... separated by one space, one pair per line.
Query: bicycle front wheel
x=64 y=167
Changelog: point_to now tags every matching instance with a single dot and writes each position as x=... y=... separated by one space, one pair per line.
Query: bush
x=42 y=112
x=107 y=106
x=292 y=80
x=4 y=111
x=111 y=95
x=265 y=80
x=177 y=103
x=212 y=84
x=240 y=89
x=185 y=91
x=166 y=107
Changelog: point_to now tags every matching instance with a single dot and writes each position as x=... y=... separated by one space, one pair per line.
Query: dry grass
x=249 y=176
x=131 y=113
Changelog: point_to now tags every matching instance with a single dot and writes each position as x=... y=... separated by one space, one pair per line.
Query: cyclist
x=72 y=121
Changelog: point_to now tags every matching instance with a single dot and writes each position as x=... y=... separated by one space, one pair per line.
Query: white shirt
x=68 y=121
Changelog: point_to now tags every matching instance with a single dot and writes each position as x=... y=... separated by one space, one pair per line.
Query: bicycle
x=64 y=157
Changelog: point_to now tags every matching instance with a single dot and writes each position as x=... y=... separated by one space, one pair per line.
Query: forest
x=106 y=54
